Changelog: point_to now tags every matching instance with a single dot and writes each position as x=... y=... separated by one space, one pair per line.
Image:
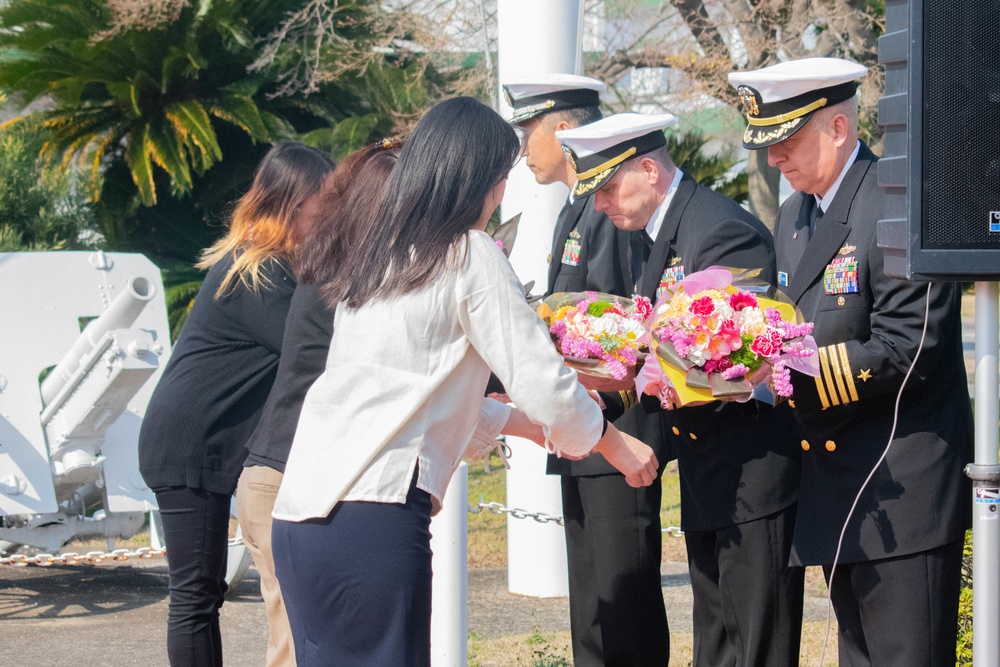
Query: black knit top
x=303 y=358
x=211 y=394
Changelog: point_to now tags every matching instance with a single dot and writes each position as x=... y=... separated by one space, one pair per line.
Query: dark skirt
x=357 y=584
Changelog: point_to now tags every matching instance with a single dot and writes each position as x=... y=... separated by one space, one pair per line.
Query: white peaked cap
x=797 y=77
x=596 y=151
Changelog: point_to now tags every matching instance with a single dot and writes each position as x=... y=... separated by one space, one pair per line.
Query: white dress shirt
x=825 y=201
x=660 y=214
x=404 y=386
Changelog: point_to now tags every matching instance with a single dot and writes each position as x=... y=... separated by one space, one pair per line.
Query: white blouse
x=404 y=385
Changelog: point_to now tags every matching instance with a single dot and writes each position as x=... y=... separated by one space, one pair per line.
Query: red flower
x=741 y=300
x=643 y=306
x=717 y=366
x=702 y=306
x=763 y=345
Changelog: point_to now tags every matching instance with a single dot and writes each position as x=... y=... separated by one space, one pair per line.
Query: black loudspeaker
x=941 y=116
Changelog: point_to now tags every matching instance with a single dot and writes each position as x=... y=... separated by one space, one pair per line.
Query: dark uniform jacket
x=587 y=255
x=737 y=462
x=868 y=327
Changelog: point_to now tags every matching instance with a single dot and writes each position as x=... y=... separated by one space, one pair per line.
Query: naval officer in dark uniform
x=896 y=583
x=613 y=539
x=738 y=463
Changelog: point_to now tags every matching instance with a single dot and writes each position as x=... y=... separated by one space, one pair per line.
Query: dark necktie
x=815 y=213
x=641 y=245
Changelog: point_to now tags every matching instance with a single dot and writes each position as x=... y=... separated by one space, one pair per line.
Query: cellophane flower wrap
x=598 y=334
x=720 y=333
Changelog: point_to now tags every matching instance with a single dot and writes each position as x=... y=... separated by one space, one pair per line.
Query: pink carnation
x=763 y=346
x=643 y=306
x=702 y=306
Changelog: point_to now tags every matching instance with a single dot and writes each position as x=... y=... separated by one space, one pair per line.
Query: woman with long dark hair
x=207 y=403
x=357 y=184
x=426 y=304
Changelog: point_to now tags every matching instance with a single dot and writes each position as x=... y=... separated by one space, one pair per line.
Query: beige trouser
x=254 y=501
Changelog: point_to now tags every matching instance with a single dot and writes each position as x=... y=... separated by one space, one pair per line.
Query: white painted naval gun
x=83 y=340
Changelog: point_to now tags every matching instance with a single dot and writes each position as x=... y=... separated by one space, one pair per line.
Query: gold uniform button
x=791 y=404
x=692 y=436
x=676 y=430
x=805 y=445
x=841 y=301
x=548 y=260
x=830 y=445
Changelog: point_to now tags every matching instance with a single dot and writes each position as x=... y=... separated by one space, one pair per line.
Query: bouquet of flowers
x=599 y=334
x=717 y=341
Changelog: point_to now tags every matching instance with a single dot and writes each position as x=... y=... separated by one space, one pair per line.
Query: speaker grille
x=961 y=124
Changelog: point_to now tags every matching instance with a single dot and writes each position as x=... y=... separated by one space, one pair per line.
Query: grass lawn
x=488 y=549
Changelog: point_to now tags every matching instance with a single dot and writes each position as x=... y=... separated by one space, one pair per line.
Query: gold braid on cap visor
x=776 y=133
x=599 y=173
x=584 y=188
x=785 y=117
x=519 y=114
x=601 y=168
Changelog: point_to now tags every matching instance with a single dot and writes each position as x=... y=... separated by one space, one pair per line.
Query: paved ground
x=116 y=614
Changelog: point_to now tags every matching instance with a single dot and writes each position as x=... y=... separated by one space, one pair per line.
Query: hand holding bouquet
x=717 y=341
x=599 y=335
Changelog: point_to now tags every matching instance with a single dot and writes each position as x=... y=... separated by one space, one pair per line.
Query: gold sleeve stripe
x=628 y=398
x=845 y=366
x=824 y=362
x=821 y=390
x=838 y=375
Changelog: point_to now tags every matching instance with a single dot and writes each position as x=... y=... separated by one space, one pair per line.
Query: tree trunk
x=763 y=187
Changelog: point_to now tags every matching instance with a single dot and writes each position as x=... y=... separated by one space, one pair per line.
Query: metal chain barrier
x=540 y=517
x=516 y=512
x=91 y=557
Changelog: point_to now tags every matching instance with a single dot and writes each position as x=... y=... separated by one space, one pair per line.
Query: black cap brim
x=585 y=188
x=756 y=136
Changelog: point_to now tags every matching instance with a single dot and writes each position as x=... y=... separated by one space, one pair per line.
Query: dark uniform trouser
x=613 y=543
x=747 y=599
x=899 y=611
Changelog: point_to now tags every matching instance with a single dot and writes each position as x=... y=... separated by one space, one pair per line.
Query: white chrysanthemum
x=750 y=321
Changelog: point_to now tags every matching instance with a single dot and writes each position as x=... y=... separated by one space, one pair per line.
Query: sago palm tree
x=153 y=100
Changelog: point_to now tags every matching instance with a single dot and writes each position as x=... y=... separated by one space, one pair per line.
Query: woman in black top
x=358 y=183
x=209 y=399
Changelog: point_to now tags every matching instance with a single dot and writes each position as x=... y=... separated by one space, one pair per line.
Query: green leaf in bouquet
x=598 y=308
x=506 y=234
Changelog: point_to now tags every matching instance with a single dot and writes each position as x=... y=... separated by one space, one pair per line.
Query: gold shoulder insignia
x=847 y=249
x=674 y=261
x=866 y=374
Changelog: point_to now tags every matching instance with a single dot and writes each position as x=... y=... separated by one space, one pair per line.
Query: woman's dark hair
x=263 y=221
x=458 y=152
x=357 y=184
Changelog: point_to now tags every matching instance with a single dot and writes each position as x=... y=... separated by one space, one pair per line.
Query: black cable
x=857 y=498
